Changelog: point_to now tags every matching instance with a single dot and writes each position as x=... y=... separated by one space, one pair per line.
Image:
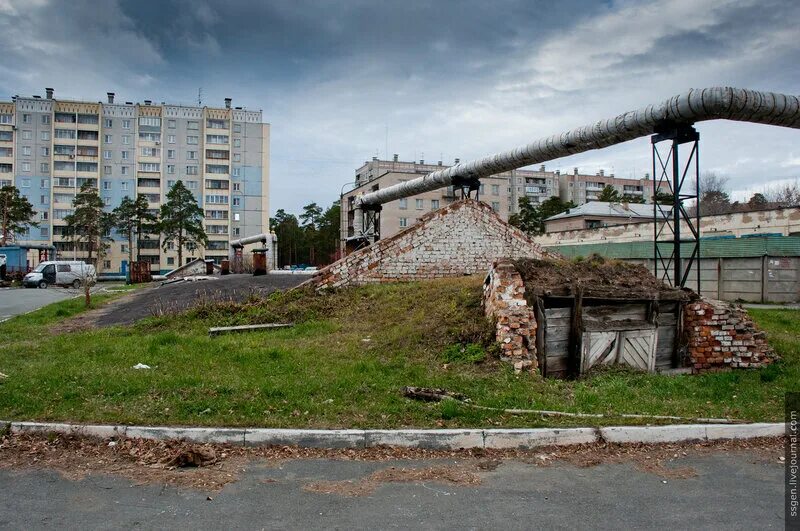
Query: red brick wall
x=722 y=336
x=462 y=238
x=504 y=302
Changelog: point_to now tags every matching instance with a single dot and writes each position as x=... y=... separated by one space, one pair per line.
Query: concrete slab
x=433 y=439
x=532 y=438
x=200 y=435
x=305 y=438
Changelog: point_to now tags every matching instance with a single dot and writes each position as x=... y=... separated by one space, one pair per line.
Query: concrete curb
x=453 y=439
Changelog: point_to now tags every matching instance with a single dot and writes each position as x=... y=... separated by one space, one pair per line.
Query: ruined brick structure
x=721 y=336
x=515 y=325
x=462 y=238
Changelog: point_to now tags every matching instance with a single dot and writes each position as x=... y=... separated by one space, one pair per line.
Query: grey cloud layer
x=447 y=78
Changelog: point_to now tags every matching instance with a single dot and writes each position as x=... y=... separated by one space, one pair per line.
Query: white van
x=60 y=273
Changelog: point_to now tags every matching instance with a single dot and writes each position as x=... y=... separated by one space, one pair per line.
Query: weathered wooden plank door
x=638 y=349
x=599 y=348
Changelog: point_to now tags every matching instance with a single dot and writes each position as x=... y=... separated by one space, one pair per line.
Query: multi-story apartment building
x=502 y=191
x=397 y=215
x=49 y=148
x=581 y=189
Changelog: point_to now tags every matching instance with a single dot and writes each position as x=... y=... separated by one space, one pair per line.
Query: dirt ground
x=597 y=276
x=212 y=466
x=172 y=298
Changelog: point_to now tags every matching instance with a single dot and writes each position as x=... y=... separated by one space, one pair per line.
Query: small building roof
x=601 y=208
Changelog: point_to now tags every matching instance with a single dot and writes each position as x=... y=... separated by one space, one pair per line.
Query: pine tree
x=609 y=194
x=132 y=220
x=16 y=211
x=89 y=223
x=181 y=221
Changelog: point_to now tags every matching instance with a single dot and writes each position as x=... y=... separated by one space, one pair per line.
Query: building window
x=26 y=166
x=170 y=260
x=237 y=201
x=191 y=155
x=126 y=124
x=107 y=170
x=237 y=128
x=192 y=140
x=108 y=123
x=237 y=142
x=124 y=184
x=217 y=139
x=191 y=170
x=107 y=264
x=403 y=222
x=150 y=121
x=171 y=139
x=482 y=191
x=171 y=124
x=403 y=203
x=236 y=187
x=107 y=154
x=496 y=206
x=126 y=139
x=152 y=167
x=45 y=151
x=434 y=204
x=170 y=153
x=236 y=172
x=26 y=118
x=420 y=203
x=107 y=139
x=25 y=183
x=45 y=183
x=45 y=119
x=170 y=168
x=106 y=185
x=124 y=170
x=45 y=135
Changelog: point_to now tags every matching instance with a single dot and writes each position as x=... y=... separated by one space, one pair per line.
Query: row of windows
x=145 y=121
x=420 y=204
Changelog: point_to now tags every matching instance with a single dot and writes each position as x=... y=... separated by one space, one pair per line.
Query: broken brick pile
x=504 y=302
x=722 y=336
x=462 y=238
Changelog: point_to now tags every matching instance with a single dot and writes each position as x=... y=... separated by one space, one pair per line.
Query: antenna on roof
x=200 y=96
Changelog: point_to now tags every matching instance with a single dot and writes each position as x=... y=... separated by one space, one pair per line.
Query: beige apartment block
x=50 y=147
x=581 y=189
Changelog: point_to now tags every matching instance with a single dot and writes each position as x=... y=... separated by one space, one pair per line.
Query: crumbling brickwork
x=504 y=302
x=462 y=238
x=722 y=336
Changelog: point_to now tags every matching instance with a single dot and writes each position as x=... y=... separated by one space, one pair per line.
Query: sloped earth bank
x=168 y=299
x=211 y=466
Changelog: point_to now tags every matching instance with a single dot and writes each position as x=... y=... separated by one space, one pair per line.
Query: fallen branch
x=215 y=331
x=437 y=395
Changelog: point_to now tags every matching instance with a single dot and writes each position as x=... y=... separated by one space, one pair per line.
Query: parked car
x=60 y=273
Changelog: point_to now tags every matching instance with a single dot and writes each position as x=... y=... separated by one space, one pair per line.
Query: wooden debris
x=218 y=330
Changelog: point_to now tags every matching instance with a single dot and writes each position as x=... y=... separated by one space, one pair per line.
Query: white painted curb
x=451 y=439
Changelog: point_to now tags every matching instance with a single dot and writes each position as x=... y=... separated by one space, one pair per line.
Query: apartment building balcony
x=145 y=183
x=6 y=138
x=594 y=187
x=6 y=168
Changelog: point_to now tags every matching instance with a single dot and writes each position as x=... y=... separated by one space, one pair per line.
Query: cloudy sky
x=341 y=82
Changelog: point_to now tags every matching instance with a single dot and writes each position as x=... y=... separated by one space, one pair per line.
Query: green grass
x=343 y=365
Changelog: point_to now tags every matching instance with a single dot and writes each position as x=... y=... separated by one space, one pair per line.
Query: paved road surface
x=16 y=301
x=730 y=491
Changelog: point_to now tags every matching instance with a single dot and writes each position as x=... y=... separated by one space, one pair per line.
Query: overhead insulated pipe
x=696 y=105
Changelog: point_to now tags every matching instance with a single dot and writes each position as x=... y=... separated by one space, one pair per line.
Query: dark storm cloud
x=447 y=79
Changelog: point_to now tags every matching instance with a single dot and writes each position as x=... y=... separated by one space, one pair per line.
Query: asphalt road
x=729 y=491
x=16 y=301
x=173 y=298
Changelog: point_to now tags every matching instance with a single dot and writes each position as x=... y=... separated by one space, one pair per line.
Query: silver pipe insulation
x=696 y=105
x=241 y=242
